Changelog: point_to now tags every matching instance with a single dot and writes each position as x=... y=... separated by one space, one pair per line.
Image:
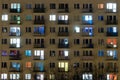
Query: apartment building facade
x=59 y=40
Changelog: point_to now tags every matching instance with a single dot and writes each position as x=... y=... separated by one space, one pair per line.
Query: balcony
x=15 y=10
x=111 y=58
x=15 y=57
x=87 y=22
x=88 y=45
x=38 y=69
x=63 y=10
x=87 y=34
x=15 y=34
x=87 y=58
x=38 y=58
x=39 y=22
x=11 y=69
x=15 y=22
x=112 y=34
x=62 y=70
x=63 y=57
x=90 y=69
x=63 y=33
x=110 y=11
x=112 y=70
x=88 y=10
x=111 y=22
x=38 y=34
x=63 y=22
x=39 y=10
x=14 y=46
x=111 y=45
x=63 y=45
x=39 y=45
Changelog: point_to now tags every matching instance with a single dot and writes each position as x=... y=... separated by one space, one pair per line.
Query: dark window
x=52 y=6
x=4 y=41
x=77 y=6
x=4 y=29
x=52 y=41
x=52 y=65
x=100 y=30
x=4 y=65
x=76 y=53
x=28 y=29
x=28 y=6
x=52 y=29
x=52 y=53
x=4 y=6
x=76 y=65
x=28 y=41
x=76 y=41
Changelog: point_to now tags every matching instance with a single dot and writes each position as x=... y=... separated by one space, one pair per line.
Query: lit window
x=112 y=43
x=14 y=76
x=39 y=53
x=100 y=6
x=28 y=76
x=52 y=17
x=52 y=77
x=39 y=76
x=87 y=31
x=4 y=17
x=111 y=77
x=63 y=53
x=28 y=53
x=100 y=53
x=39 y=30
x=3 y=76
x=28 y=64
x=112 y=7
x=15 y=42
x=87 y=19
x=63 y=17
x=77 y=29
x=15 y=31
x=87 y=76
x=16 y=6
x=28 y=17
x=63 y=65
x=112 y=53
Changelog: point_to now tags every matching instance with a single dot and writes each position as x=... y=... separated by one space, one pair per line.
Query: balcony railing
x=37 y=58
x=13 y=46
x=88 y=45
x=38 y=34
x=15 y=57
x=112 y=22
x=39 y=45
x=110 y=11
x=111 y=58
x=63 y=58
x=111 y=46
x=63 y=45
x=63 y=33
x=62 y=70
x=15 y=69
x=15 y=34
x=112 y=70
x=37 y=69
x=15 y=10
x=39 y=10
x=87 y=22
x=88 y=69
x=63 y=22
x=15 y=22
x=88 y=34
x=87 y=57
x=63 y=10
x=39 y=22
x=88 y=10
x=112 y=34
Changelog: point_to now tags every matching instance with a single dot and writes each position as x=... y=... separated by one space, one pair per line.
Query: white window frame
x=4 y=17
x=39 y=53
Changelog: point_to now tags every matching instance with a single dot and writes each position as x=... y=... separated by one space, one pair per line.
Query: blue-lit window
x=4 y=53
x=39 y=30
x=112 y=53
x=88 y=30
x=112 y=29
x=15 y=65
x=28 y=17
x=100 y=18
x=39 y=66
x=87 y=19
x=28 y=53
x=100 y=53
